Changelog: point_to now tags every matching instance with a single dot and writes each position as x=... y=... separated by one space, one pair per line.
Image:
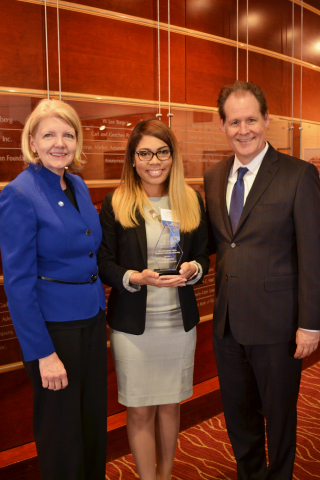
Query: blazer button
x=91 y=254
x=233 y=245
x=88 y=232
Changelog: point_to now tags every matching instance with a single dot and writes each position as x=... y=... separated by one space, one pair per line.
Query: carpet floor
x=204 y=451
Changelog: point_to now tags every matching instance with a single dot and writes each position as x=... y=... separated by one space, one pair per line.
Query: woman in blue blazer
x=49 y=236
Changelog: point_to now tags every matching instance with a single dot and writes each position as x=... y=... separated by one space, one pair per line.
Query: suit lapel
x=181 y=243
x=267 y=171
x=224 y=175
x=81 y=202
x=142 y=238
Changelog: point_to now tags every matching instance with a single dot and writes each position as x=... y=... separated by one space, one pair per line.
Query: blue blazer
x=41 y=233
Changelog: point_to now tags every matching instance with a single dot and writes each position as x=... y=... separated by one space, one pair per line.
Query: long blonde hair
x=52 y=108
x=130 y=196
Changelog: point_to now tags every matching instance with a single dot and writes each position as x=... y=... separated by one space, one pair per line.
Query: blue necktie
x=237 y=199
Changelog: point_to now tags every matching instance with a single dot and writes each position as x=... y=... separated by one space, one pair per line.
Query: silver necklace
x=157 y=216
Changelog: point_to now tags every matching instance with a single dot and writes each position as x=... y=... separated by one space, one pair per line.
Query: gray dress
x=156 y=367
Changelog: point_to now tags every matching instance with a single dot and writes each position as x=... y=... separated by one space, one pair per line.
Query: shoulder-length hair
x=130 y=196
x=52 y=108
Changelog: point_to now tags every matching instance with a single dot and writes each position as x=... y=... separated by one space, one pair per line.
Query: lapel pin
x=61 y=204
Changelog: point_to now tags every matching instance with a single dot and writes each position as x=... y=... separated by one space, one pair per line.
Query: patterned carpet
x=204 y=451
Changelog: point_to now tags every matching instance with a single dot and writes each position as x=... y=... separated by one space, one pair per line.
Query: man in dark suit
x=264 y=220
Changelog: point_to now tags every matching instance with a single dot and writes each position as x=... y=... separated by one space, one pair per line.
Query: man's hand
x=53 y=373
x=307 y=342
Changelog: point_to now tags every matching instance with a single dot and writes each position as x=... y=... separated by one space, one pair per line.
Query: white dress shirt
x=248 y=179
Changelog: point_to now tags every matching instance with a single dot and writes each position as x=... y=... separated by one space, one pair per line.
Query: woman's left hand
x=52 y=371
x=187 y=270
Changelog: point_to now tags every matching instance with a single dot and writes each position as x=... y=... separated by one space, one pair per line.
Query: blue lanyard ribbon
x=174 y=236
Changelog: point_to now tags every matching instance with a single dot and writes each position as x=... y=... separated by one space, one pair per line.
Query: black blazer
x=267 y=273
x=126 y=249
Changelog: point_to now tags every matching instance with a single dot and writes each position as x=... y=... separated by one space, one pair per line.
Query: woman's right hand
x=149 y=277
x=52 y=371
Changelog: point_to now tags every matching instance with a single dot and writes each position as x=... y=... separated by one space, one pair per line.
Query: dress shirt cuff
x=197 y=275
x=126 y=282
x=307 y=330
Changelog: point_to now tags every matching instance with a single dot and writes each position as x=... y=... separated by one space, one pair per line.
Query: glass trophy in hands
x=167 y=253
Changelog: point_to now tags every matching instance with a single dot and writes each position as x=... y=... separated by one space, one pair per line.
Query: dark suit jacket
x=268 y=272
x=126 y=249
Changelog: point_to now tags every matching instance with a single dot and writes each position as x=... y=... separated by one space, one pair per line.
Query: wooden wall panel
x=311 y=36
x=121 y=59
x=16 y=409
x=266 y=30
x=209 y=66
x=310 y=94
x=143 y=8
x=108 y=58
x=269 y=24
x=9 y=345
x=22 y=59
x=216 y=18
x=136 y=8
x=314 y=3
x=273 y=76
x=205 y=366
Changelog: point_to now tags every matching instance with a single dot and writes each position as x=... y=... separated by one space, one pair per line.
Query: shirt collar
x=253 y=166
x=45 y=174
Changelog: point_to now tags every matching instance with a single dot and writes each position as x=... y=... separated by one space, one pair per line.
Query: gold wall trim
x=110 y=183
x=175 y=29
x=124 y=101
x=307 y=6
x=18 y=365
x=116 y=183
x=30 y=92
x=206 y=318
x=10 y=367
x=102 y=183
x=1 y=279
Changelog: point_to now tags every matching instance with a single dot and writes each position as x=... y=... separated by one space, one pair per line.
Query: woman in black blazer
x=152 y=316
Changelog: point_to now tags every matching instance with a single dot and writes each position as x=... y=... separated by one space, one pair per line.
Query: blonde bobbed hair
x=130 y=196
x=52 y=108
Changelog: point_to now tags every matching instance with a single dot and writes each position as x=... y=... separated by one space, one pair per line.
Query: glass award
x=167 y=253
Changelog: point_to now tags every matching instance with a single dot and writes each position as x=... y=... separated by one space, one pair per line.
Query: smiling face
x=55 y=142
x=244 y=126
x=153 y=174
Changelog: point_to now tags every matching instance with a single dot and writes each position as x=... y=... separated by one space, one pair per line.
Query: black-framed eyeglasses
x=147 y=155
